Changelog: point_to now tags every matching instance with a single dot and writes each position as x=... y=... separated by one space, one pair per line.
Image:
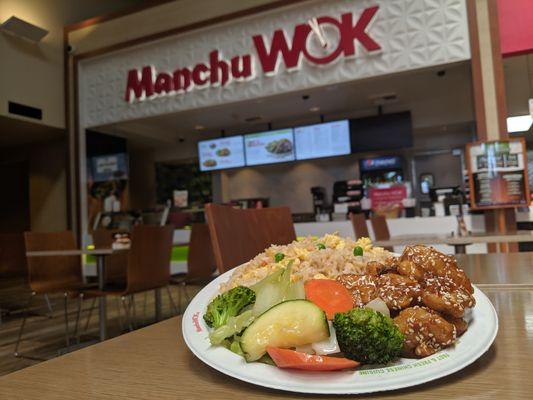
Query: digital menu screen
x=322 y=140
x=269 y=147
x=221 y=153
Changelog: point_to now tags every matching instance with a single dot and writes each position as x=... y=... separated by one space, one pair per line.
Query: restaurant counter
x=397 y=226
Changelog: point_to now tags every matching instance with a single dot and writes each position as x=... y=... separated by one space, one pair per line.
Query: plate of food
x=336 y=316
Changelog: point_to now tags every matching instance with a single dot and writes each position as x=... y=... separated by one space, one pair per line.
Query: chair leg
x=145 y=301
x=93 y=304
x=76 y=330
x=174 y=308
x=67 y=337
x=120 y=322
x=49 y=305
x=179 y=299
x=134 y=312
x=127 y=311
x=187 y=297
x=26 y=309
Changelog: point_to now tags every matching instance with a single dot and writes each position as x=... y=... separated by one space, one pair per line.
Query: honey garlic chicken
x=363 y=288
x=397 y=291
x=425 y=331
x=443 y=295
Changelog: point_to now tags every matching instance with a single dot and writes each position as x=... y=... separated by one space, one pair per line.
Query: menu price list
x=507 y=188
x=322 y=140
x=498 y=174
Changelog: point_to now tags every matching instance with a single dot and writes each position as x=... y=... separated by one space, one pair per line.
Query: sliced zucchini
x=288 y=324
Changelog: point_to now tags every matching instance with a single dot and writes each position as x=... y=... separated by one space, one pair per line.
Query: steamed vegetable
x=327 y=346
x=227 y=305
x=234 y=326
x=379 y=305
x=285 y=358
x=331 y=296
x=288 y=324
x=367 y=336
x=276 y=288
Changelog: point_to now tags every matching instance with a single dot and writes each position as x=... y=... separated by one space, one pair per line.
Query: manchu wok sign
x=320 y=41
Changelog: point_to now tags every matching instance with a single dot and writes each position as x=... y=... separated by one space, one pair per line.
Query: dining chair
x=201 y=264
x=381 y=229
x=52 y=275
x=359 y=225
x=115 y=264
x=147 y=268
x=239 y=235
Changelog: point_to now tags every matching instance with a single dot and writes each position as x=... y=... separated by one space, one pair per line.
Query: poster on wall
x=498 y=174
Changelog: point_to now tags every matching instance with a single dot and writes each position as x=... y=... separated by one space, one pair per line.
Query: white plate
x=482 y=329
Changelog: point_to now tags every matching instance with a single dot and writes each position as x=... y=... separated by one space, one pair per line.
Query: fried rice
x=325 y=257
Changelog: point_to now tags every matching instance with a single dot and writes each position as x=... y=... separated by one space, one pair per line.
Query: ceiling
x=436 y=97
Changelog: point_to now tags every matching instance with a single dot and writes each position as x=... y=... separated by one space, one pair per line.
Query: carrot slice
x=329 y=295
x=285 y=358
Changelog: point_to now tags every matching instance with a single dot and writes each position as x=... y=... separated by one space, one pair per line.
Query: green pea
x=321 y=246
x=278 y=257
x=358 y=251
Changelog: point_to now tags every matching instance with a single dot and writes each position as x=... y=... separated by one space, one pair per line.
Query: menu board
x=322 y=140
x=269 y=147
x=498 y=174
x=221 y=153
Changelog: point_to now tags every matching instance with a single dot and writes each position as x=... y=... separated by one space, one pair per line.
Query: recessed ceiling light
x=199 y=127
x=314 y=109
x=520 y=123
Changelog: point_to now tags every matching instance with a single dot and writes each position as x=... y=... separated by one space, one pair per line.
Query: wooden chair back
x=115 y=264
x=149 y=257
x=200 y=260
x=381 y=229
x=12 y=255
x=239 y=235
x=359 y=225
x=52 y=273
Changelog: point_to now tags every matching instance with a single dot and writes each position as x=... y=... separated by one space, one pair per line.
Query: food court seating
x=201 y=264
x=381 y=229
x=239 y=235
x=359 y=225
x=148 y=266
x=53 y=274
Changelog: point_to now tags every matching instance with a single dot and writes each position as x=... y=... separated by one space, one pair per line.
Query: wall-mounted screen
x=381 y=132
x=322 y=140
x=221 y=153
x=269 y=147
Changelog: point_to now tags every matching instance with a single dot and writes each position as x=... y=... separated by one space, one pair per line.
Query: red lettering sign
x=280 y=50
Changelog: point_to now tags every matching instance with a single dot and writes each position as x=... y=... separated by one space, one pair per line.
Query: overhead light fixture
x=314 y=109
x=20 y=28
x=520 y=123
x=199 y=127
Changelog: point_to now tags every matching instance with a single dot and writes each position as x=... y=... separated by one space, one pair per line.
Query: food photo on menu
x=269 y=147
x=225 y=152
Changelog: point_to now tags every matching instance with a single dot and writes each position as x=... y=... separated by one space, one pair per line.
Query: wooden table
x=154 y=362
x=514 y=270
x=100 y=255
x=459 y=242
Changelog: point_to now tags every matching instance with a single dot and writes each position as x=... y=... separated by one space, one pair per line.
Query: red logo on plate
x=196 y=322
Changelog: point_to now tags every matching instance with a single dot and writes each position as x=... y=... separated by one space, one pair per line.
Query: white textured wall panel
x=412 y=33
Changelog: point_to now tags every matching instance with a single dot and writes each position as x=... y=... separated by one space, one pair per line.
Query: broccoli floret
x=367 y=336
x=228 y=305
